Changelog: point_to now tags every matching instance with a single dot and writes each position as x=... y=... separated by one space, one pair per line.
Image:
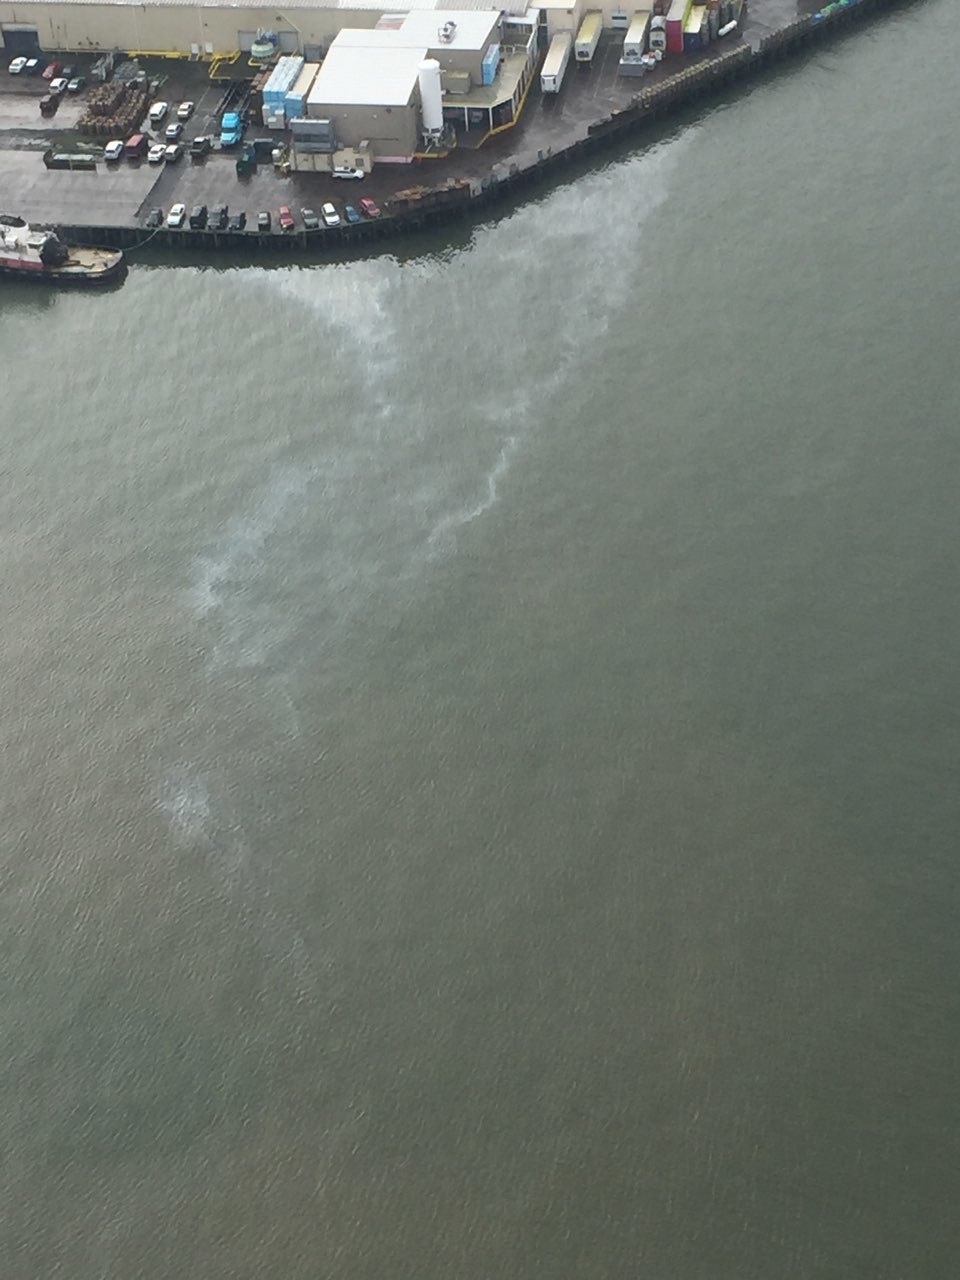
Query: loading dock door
x=19 y=39
x=245 y=40
x=289 y=41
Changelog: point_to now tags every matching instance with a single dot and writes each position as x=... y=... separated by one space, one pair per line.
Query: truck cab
x=231 y=129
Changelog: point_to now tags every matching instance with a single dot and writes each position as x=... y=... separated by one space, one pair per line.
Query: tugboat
x=41 y=255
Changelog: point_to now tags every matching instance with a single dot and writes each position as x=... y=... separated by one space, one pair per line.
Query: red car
x=285 y=218
x=52 y=70
x=370 y=207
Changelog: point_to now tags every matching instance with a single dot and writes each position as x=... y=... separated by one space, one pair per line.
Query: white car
x=172 y=152
x=177 y=216
x=185 y=111
x=113 y=150
x=347 y=171
x=58 y=86
x=16 y=66
x=158 y=112
x=157 y=153
x=330 y=216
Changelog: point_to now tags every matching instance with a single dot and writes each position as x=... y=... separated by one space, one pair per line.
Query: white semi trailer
x=555 y=63
x=588 y=37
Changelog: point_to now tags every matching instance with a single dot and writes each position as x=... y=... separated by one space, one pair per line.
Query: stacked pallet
x=113 y=110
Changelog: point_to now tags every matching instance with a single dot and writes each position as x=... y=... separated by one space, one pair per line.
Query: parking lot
x=123 y=194
x=109 y=196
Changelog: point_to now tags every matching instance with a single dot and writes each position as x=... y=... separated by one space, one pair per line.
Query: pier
x=596 y=110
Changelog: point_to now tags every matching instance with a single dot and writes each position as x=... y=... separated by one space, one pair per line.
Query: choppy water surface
x=479 y=744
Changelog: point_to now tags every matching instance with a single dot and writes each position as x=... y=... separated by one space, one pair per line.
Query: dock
x=596 y=110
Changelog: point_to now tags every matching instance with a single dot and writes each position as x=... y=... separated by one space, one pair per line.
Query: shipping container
x=490 y=64
x=282 y=79
x=295 y=99
x=555 y=63
x=635 y=41
x=677 y=16
x=588 y=37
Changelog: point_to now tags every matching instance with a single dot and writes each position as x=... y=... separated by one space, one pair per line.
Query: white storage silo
x=431 y=97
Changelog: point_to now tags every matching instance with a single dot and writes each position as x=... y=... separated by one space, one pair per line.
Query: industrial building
x=368 y=83
x=396 y=87
x=201 y=28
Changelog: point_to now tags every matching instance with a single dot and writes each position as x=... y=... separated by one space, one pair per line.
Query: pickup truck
x=231 y=129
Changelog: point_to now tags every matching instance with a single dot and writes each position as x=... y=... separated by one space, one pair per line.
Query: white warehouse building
x=201 y=28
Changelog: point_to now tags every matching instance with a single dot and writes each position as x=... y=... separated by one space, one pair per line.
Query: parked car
x=350 y=213
x=173 y=131
x=238 y=222
x=185 y=111
x=219 y=215
x=52 y=69
x=58 y=86
x=155 y=218
x=158 y=112
x=285 y=218
x=369 y=207
x=198 y=217
x=16 y=66
x=113 y=151
x=177 y=216
x=76 y=85
x=199 y=147
x=264 y=221
x=33 y=66
x=49 y=103
x=330 y=216
x=172 y=152
x=68 y=72
x=347 y=171
x=156 y=153
x=310 y=219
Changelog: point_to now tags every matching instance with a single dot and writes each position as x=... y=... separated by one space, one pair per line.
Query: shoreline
x=426 y=207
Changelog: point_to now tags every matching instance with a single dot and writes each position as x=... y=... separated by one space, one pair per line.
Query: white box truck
x=588 y=37
x=555 y=63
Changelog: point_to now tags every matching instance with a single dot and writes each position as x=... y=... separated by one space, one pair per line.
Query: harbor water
x=478 y=729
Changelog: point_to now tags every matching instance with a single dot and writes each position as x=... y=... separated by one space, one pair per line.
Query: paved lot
x=108 y=197
x=22 y=110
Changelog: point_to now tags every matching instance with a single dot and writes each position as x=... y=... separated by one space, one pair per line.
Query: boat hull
x=84 y=267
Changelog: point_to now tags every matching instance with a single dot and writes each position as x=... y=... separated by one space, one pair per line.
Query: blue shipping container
x=490 y=64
